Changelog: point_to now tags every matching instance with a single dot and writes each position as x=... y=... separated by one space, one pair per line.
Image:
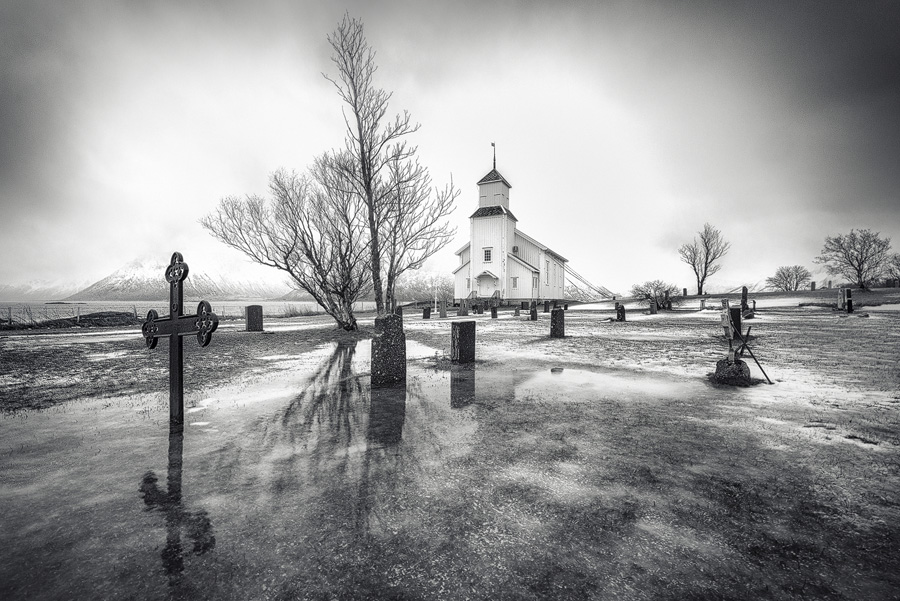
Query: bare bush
x=789 y=279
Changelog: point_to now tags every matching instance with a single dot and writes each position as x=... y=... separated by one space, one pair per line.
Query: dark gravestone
x=176 y=325
x=388 y=351
x=462 y=342
x=524 y=304
x=398 y=310
x=493 y=312
x=812 y=286
x=849 y=301
x=829 y=283
x=546 y=306
x=443 y=309
x=476 y=309
x=744 y=305
x=684 y=292
x=426 y=313
x=735 y=313
x=558 y=323
x=666 y=304
x=652 y=307
x=532 y=316
x=517 y=312
x=620 y=312
x=254 y=318
x=566 y=307
x=754 y=304
x=463 y=309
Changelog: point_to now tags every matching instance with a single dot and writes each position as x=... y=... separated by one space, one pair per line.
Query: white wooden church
x=499 y=261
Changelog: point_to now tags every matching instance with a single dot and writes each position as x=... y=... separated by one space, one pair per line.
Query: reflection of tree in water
x=195 y=524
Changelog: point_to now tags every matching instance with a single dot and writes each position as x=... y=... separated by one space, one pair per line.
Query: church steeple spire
x=494 y=146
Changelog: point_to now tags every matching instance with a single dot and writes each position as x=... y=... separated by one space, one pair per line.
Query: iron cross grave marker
x=176 y=325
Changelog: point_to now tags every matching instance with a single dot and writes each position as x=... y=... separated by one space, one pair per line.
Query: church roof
x=492 y=211
x=493 y=176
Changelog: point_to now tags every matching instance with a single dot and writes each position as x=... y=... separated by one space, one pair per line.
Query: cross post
x=176 y=325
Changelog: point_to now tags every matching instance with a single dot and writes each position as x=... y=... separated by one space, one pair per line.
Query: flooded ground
x=604 y=465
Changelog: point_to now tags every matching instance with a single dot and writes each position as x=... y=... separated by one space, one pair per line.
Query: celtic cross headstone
x=176 y=325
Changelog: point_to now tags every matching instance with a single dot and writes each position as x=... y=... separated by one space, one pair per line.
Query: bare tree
x=790 y=278
x=703 y=255
x=655 y=290
x=404 y=220
x=860 y=256
x=414 y=224
x=315 y=235
x=893 y=267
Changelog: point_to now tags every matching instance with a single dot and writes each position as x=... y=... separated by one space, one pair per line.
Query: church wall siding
x=528 y=252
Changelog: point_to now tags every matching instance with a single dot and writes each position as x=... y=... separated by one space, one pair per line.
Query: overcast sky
x=622 y=126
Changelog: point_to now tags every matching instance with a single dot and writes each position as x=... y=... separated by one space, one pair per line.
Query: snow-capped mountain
x=38 y=291
x=144 y=279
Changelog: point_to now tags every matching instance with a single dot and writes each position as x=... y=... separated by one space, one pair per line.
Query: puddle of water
x=103 y=500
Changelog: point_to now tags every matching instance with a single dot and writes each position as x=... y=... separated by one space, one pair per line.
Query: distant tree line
x=862 y=258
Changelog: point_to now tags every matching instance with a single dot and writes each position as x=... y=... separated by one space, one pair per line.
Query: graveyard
x=601 y=463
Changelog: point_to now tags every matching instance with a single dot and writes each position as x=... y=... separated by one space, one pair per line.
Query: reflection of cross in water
x=176 y=325
x=197 y=524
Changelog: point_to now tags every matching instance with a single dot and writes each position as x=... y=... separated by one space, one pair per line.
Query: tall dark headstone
x=546 y=306
x=388 y=351
x=666 y=304
x=566 y=307
x=426 y=313
x=812 y=286
x=493 y=312
x=255 y=318
x=744 y=305
x=735 y=313
x=558 y=323
x=652 y=306
x=684 y=292
x=829 y=283
x=463 y=310
x=462 y=342
x=532 y=316
x=849 y=301
x=620 y=312
x=443 y=309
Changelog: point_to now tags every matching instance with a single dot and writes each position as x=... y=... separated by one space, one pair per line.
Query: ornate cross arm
x=203 y=323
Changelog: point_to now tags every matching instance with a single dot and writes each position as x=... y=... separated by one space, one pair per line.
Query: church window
x=487 y=255
x=534 y=283
x=547 y=272
x=515 y=283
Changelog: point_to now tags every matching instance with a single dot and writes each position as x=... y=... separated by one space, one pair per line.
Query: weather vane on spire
x=494 y=146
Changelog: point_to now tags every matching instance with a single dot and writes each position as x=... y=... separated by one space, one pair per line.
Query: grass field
x=604 y=465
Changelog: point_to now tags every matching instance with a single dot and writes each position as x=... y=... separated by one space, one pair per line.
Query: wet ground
x=601 y=466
